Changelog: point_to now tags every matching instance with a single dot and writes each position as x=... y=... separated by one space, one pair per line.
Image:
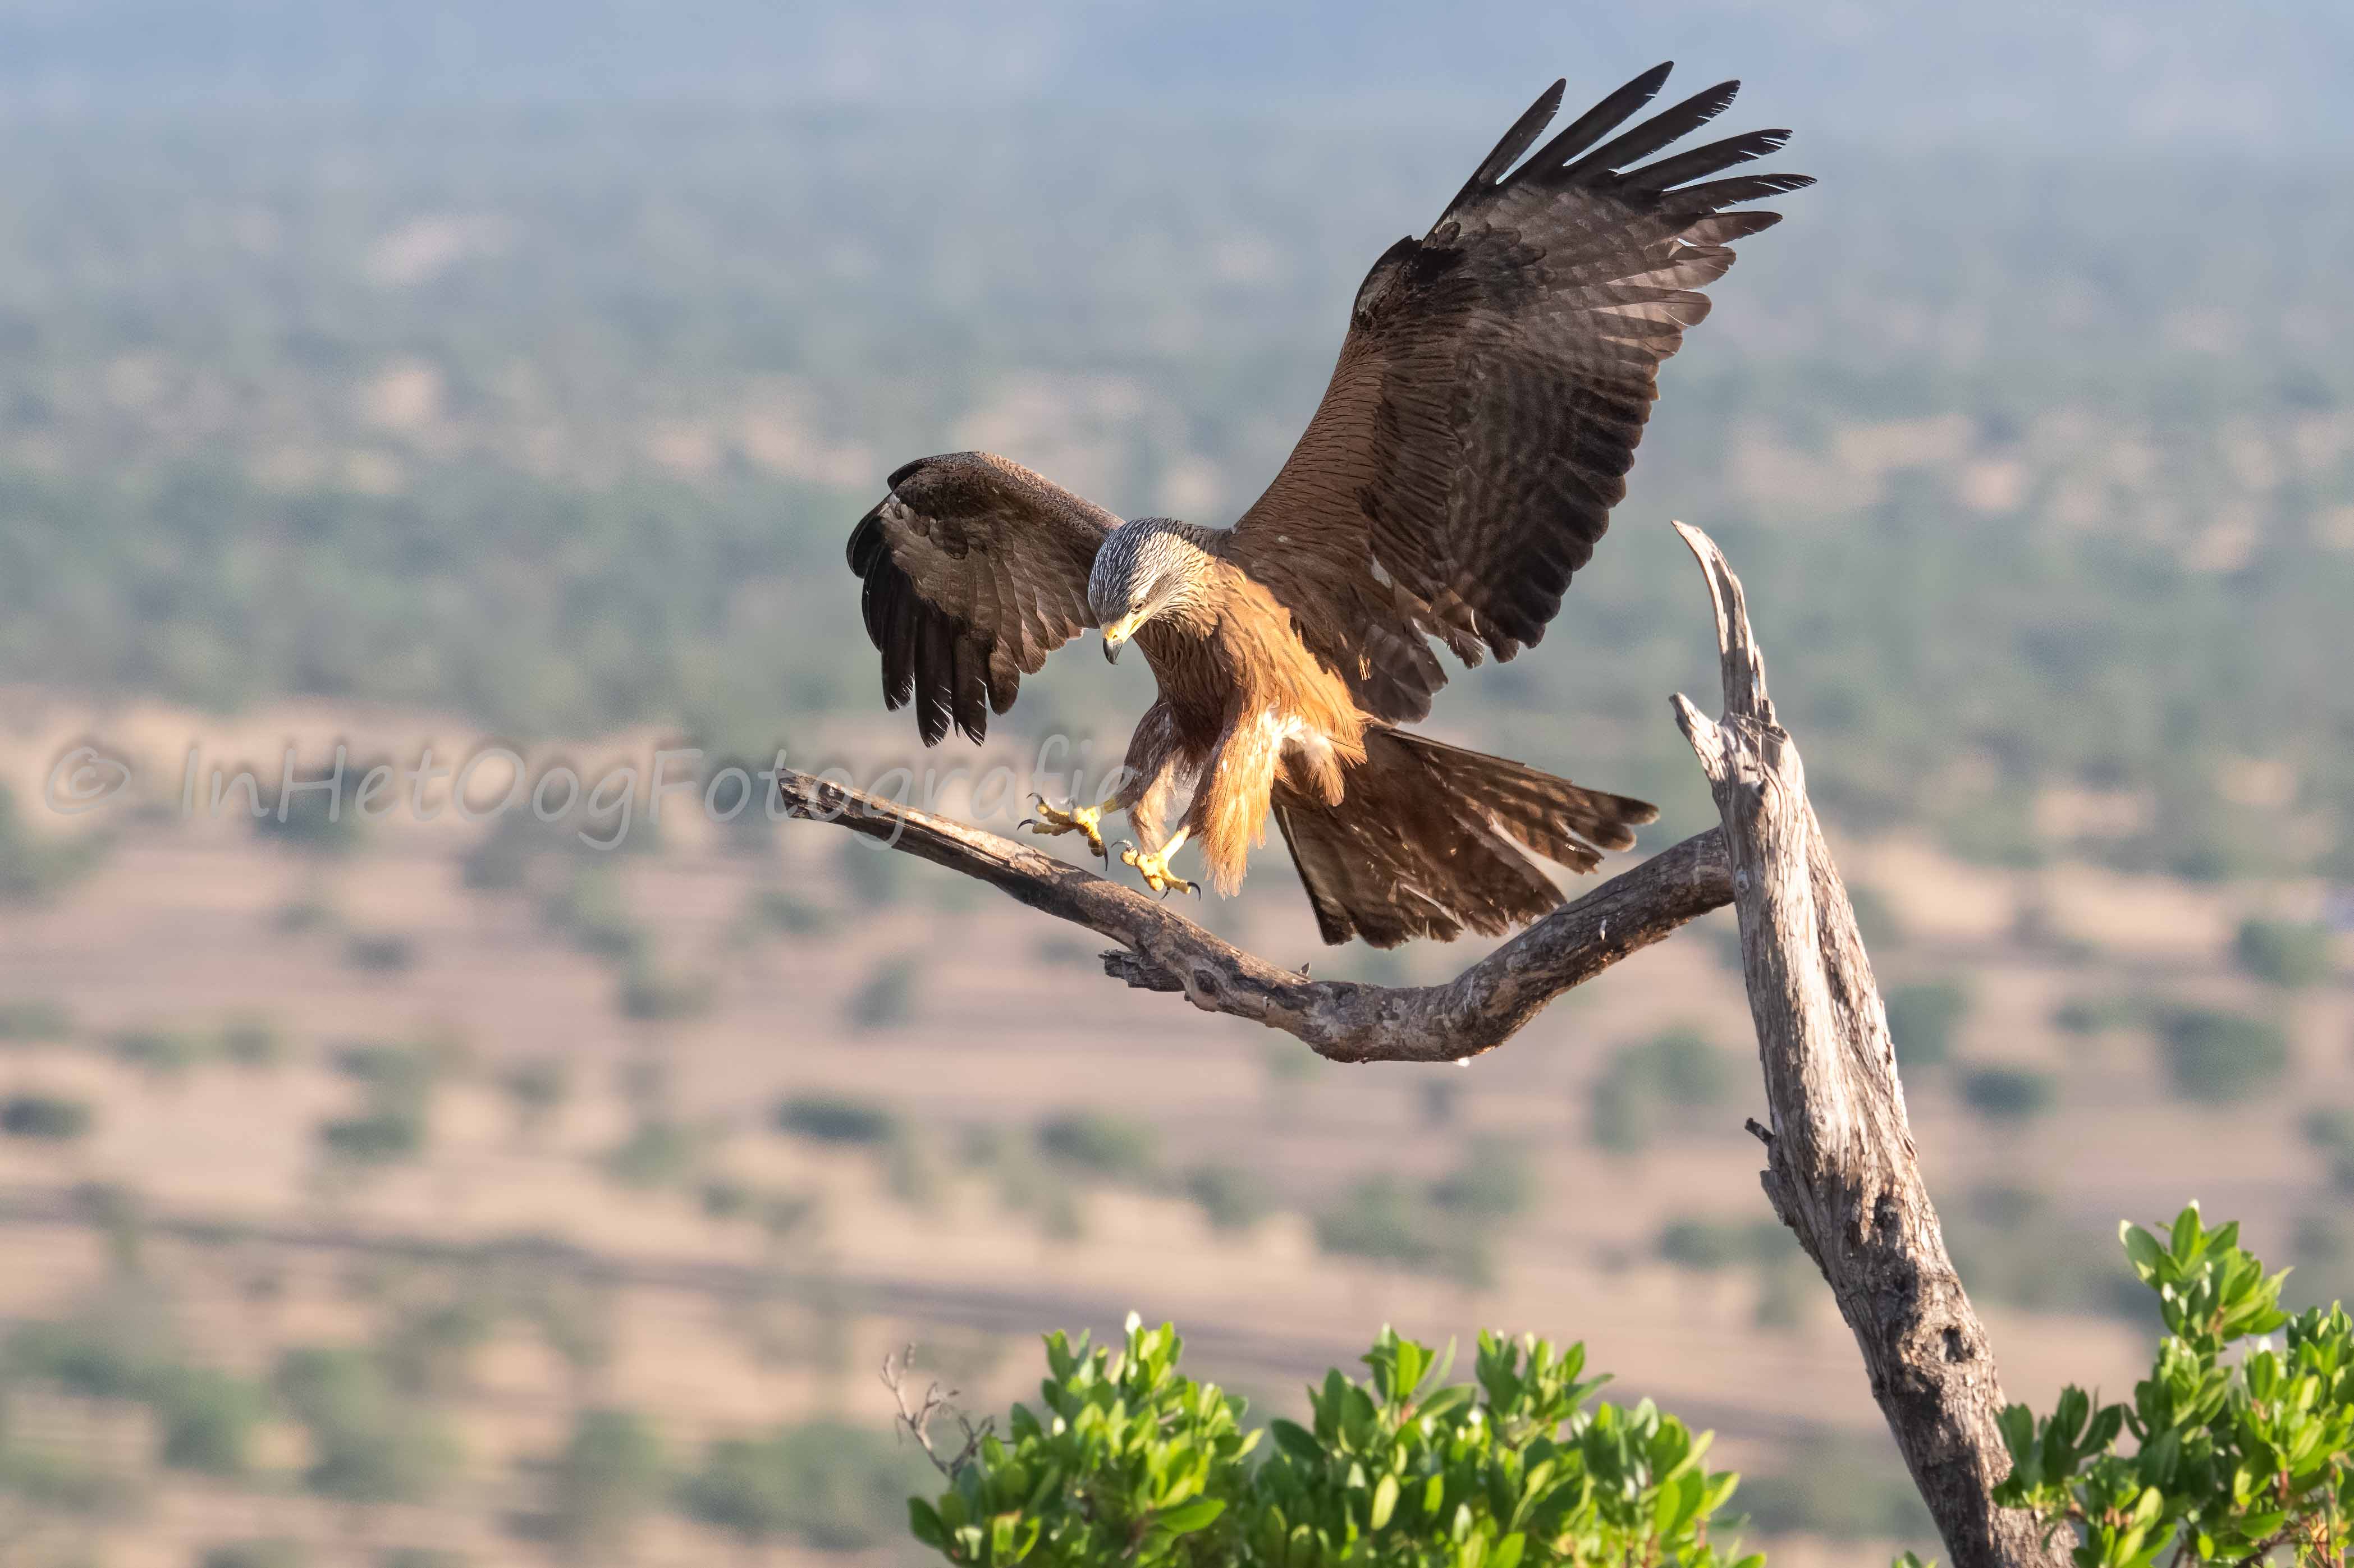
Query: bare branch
x=1163 y=950
x=917 y=1422
x=1840 y=1160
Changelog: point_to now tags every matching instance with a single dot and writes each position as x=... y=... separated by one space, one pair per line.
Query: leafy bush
x=838 y=1487
x=2291 y=954
x=1229 y=1199
x=165 y=1052
x=1707 y=1246
x=1922 y=1019
x=652 y=994
x=252 y=1043
x=254 y=1554
x=1381 y=1219
x=1495 y=1182
x=1676 y=1067
x=2220 y=1057
x=1108 y=1146
x=2095 y=1015
x=369 y=1443
x=658 y=1152
x=1130 y=1461
x=608 y=1477
x=34 y=1019
x=887 y=996
x=382 y=952
x=2232 y=1460
x=50 y=1117
x=2008 y=1094
x=836 y=1118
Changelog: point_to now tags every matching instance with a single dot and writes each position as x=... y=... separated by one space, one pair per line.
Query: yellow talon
x=1052 y=822
x=1154 y=867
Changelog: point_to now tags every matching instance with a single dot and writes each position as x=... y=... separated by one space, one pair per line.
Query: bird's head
x=1145 y=570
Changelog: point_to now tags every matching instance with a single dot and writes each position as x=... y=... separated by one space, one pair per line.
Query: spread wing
x=1491 y=389
x=975 y=570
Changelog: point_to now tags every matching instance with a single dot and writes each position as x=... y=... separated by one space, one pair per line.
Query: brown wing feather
x=1495 y=380
x=975 y=570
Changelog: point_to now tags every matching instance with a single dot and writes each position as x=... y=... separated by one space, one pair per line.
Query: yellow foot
x=1052 y=822
x=1154 y=868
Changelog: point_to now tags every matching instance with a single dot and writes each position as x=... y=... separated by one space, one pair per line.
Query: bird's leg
x=1153 y=865
x=1053 y=822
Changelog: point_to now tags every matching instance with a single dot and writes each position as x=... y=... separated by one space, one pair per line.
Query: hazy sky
x=2243 y=77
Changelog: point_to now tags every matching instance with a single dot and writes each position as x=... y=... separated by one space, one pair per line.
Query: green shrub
x=608 y=1477
x=887 y=996
x=2286 y=953
x=1129 y=1461
x=2095 y=1015
x=369 y=1443
x=378 y=1137
x=252 y=1043
x=1105 y=1145
x=834 y=1487
x=652 y=994
x=2241 y=1444
x=2219 y=1058
x=1708 y=1245
x=34 y=1019
x=1922 y=1019
x=383 y=952
x=1381 y=1220
x=1494 y=1182
x=272 y=1553
x=1676 y=1068
x=51 y=1118
x=209 y=1418
x=1229 y=1199
x=165 y=1052
x=836 y=1118
x=658 y=1152
x=2008 y=1094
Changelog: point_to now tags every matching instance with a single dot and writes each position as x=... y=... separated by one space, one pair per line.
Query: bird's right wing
x=975 y=570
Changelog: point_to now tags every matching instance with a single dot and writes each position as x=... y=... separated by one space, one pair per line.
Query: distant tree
x=2289 y=954
x=1115 y=1146
x=35 y=1021
x=1922 y=1019
x=51 y=1118
x=2008 y=1094
x=2218 y=1057
x=536 y=1088
x=252 y=1041
x=836 y=1118
x=381 y=952
x=255 y=1554
x=369 y=1443
x=1231 y=1200
x=887 y=996
x=835 y=1487
x=608 y=1477
x=1677 y=1068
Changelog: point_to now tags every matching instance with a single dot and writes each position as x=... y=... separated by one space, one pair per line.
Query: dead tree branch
x=1160 y=950
x=1840 y=1160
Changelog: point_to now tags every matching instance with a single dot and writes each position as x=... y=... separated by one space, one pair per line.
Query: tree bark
x=1840 y=1169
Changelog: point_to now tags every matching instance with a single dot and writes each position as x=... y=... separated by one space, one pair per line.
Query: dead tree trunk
x=1839 y=1162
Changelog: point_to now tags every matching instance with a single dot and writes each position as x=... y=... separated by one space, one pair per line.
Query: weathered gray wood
x=1840 y=1169
x=1163 y=950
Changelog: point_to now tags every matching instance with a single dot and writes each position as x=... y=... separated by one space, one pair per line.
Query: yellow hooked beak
x=1116 y=634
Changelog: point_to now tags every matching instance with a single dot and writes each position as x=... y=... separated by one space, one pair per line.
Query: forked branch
x=1839 y=1162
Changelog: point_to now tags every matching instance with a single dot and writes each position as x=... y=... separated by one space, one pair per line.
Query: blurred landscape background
x=425 y=1193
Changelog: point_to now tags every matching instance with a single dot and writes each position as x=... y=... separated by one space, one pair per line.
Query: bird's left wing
x=975 y=570
x=1494 y=382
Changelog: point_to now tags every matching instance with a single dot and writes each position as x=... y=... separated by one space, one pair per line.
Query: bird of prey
x=1492 y=386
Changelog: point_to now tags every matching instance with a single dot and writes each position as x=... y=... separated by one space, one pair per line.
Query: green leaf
x=923 y=1524
x=1386 y=1497
x=1186 y=1518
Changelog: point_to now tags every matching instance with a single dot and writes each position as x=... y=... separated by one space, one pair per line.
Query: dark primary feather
x=975 y=570
x=1493 y=386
